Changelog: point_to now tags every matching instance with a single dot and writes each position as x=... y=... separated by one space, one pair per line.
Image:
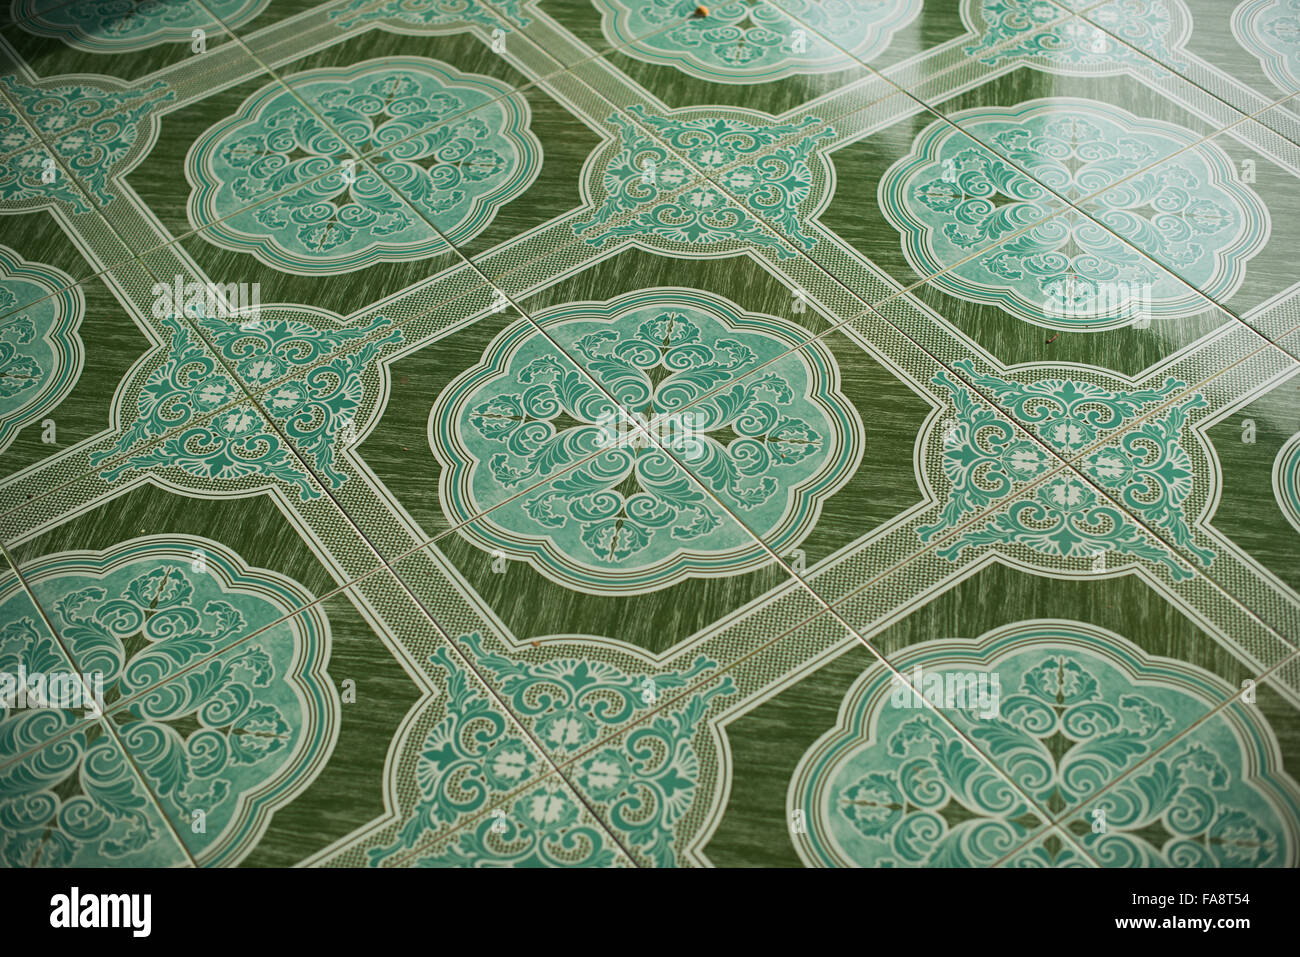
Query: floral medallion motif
x=214 y=723
x=1080 y=706
x=119 y=26
x=629 y=518
x=746 y=41
x=107 y=127
x=648 y=180
x=949 y=199
x=1286 y=480
x=1012 y=30
x=434 y=14
x=40 y=351
x=471 y=758
x=177 y=396
x=1270 y=29
x=1146 y=468
x=458 y=147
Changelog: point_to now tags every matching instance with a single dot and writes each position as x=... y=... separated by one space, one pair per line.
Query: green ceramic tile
x=1016 y=681
x=741 y=54
x=1243 y=819
x=642 y=552
x=94 y=38
x=265 y=748
x=70 y=822
x=45 y=698
x=67 y=356
x=825 y=773
x=543 y=433
x=1244 y=56
x=1217 y=215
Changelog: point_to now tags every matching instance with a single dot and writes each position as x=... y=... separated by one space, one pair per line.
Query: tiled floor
x=794 y=433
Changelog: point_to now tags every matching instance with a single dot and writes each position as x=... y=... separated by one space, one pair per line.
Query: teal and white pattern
x=177 y=400
x=40 y=351
x=435 y=15
x=120 y=26
x=1270 y=29
x=747 y=41
x=217 y=722
x=1034 y=31
x=628 y=517
x=39 y=175
x=472 y=759
x=457 y=147
x=949 y=199
x=1148 y=469
x=896 y=787
x=670 y=206
x=1286 y=480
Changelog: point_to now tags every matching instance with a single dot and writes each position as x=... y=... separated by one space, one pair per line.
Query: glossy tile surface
x=587 y=433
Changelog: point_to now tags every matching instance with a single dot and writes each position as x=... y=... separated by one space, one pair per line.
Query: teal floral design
x=1286 y=480
x=454 y=149
x=40 y=351
x=746 y=41
x=214 y=723
x=897 y=787
x=90 y=130
x=1270 y=29
x=178 y=397
x=950 y=199
x=428 y=13
x=119 y=26
x=648 y=178
x=1024 y=29
x=28 y=646
x=621 y=509
x=1146 y=468
x=473 y=758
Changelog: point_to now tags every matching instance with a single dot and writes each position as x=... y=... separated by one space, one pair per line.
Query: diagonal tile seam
x=34 y=473
x=126 y=701
x=665 y=701
x=1265 y=343
x=360 y=533
x=1217 y=131
x=40 y=11
x=387 y=567
x=1037 y=439
x=199 y=331
x=600 y=741
x=1264 y=340
x=340 y=590
x=1066 y=207
x=1083 y=14
x=534 y=79
x=1057 y=822
x=265 y=199
x=7 y=156
x=1033 y=436
x=874 y=76
x=285 y=80
x=1074 y=204
x=832 y=609
x=87 y=722
x=353 y=154
x=197 y=65
x=1155 y=65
